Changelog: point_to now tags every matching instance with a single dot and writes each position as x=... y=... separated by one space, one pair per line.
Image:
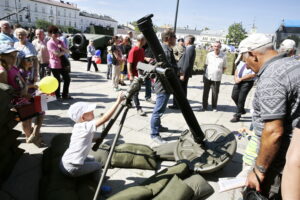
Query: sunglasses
x=28 y=59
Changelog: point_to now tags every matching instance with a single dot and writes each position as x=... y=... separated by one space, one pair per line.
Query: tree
x=42 y=24
x=236 y=33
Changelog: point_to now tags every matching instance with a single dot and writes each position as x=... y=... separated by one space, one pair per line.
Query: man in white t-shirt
x=75 y=161
x=215 y=66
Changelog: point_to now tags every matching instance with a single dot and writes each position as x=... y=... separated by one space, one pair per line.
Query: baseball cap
x=287 y=45
x=6 y=48
x=253 y=42
x=76 y=110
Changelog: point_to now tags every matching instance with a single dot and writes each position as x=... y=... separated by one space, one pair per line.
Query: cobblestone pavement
x=94 y=87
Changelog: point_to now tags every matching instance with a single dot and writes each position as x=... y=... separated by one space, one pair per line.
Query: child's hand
x=121 y=97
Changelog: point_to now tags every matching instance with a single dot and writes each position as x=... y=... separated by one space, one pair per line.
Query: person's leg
x=147 y=88
x=136 y=100
x=89 y=62
x=118 y=72
x=56 y=74
x=95 y=66
x=42 y=70
x=245 y=89
x=291 y=172
x=206 y=89
x=67 y=80
x=215 y=93
x=184 y=85
x=235 y=93
x=88 y=167
x=115 y=76
x=26 y=126
x=159 y=109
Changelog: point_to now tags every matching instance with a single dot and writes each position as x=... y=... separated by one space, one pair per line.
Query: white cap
x=6 y=49
x=253 y=42
x=76 y=110
x=287 y=45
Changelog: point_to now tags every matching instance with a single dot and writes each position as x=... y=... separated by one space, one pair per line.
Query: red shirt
x=135 y=55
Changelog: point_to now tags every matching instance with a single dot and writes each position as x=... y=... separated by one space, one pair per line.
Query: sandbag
x=62 y=194
x=158 y=181
x=175 y=190
x=166 y=151
x=133 y=193
x=101 y=154
x=7 y=142
x=134 y=156
x=59 y=144
x=199 y=185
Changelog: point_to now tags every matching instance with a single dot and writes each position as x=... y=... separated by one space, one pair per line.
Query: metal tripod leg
x=111 y=153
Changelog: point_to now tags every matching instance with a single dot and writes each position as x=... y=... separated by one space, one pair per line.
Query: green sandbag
x=200 y=186
x=58 y=180
x=86 y=187
x=101 y=154
x=175 y=190
x=158 y=181
x=133 y=193
x=59 y=144
x=8 y=141
x=46 y=161
x=134 y=156
x=165 y=151
x=62 y=194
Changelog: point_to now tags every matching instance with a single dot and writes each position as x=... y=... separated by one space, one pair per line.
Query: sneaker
x=159 y=140
x=150 y=101
x=117 y=89
x=215 y=110
x=235 y=119
x=141 y=112
x=173 y=107
x=122 y=83
x=163 y=129
x=244 y=112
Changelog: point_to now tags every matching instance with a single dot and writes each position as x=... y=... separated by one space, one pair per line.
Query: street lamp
x=175 y=24
x=17 y=16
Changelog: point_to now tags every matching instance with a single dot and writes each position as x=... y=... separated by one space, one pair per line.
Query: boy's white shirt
x=80 y=143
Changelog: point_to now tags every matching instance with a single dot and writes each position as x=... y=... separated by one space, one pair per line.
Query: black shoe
x=244 y=112
x=163 y=129
x=235 y=119
x=67 y=97
x=173 y=107
x=122 y=83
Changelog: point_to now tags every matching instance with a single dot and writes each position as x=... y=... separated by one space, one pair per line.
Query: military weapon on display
x=80 y=41
x=207 y=148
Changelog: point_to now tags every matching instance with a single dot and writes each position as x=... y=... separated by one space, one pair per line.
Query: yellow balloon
x=48 y=85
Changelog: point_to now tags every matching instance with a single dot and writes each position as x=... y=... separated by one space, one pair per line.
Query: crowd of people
x=25 y=59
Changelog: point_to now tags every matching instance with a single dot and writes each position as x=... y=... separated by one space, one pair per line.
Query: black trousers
x=66 y=77
x=239 y=95
x=215 y=86
x=44 y=70
x=89 y=60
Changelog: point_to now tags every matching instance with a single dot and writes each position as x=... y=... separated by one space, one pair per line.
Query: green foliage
x=236 y=33
x=201 y=57
x=42 y=24
x=45 y=24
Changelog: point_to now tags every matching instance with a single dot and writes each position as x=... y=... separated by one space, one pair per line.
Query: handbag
x=252 y=194
x=65 y=63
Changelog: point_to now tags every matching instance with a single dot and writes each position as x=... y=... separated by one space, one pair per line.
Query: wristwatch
x=261 y=169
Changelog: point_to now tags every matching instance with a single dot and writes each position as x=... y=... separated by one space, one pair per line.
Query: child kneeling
x=75 y=161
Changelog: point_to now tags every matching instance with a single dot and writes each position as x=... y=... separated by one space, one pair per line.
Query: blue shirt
x=5 y=39
x=109 y=59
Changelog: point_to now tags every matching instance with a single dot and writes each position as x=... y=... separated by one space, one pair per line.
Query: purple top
x=54 y=60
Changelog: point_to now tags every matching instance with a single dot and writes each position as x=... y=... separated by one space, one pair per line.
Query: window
x=20 y=18
x=8 y=14
x=65 y=12
x=43 y=9
x=6 y=3
x=58 y=13
x=65 y=23
x=69 y=14
x=58 y=22
x=35 y=8
x=70 y=23
x=51 y=12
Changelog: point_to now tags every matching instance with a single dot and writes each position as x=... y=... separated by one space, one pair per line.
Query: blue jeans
x=147 y=88
x=159 y=109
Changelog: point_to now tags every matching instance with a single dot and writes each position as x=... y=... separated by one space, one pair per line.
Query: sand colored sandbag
x=165 y=151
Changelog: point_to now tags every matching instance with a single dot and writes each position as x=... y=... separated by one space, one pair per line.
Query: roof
x=215 y=33
x=183 y=31
x=291 y=23
x=58 y=3
x=96 y=16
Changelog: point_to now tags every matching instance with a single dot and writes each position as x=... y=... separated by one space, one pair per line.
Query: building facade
x=57 y=12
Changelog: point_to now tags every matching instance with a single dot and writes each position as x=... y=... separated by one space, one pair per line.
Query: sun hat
x=76 y=110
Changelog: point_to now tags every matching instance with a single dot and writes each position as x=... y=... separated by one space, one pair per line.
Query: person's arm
x=52 y=48
x=110 y=112
x=247 y=77
x=129 y=64
x=236 y=78
x=270 y=144
x=291 y=172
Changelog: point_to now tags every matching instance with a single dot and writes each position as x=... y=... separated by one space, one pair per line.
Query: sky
x=214 y=14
